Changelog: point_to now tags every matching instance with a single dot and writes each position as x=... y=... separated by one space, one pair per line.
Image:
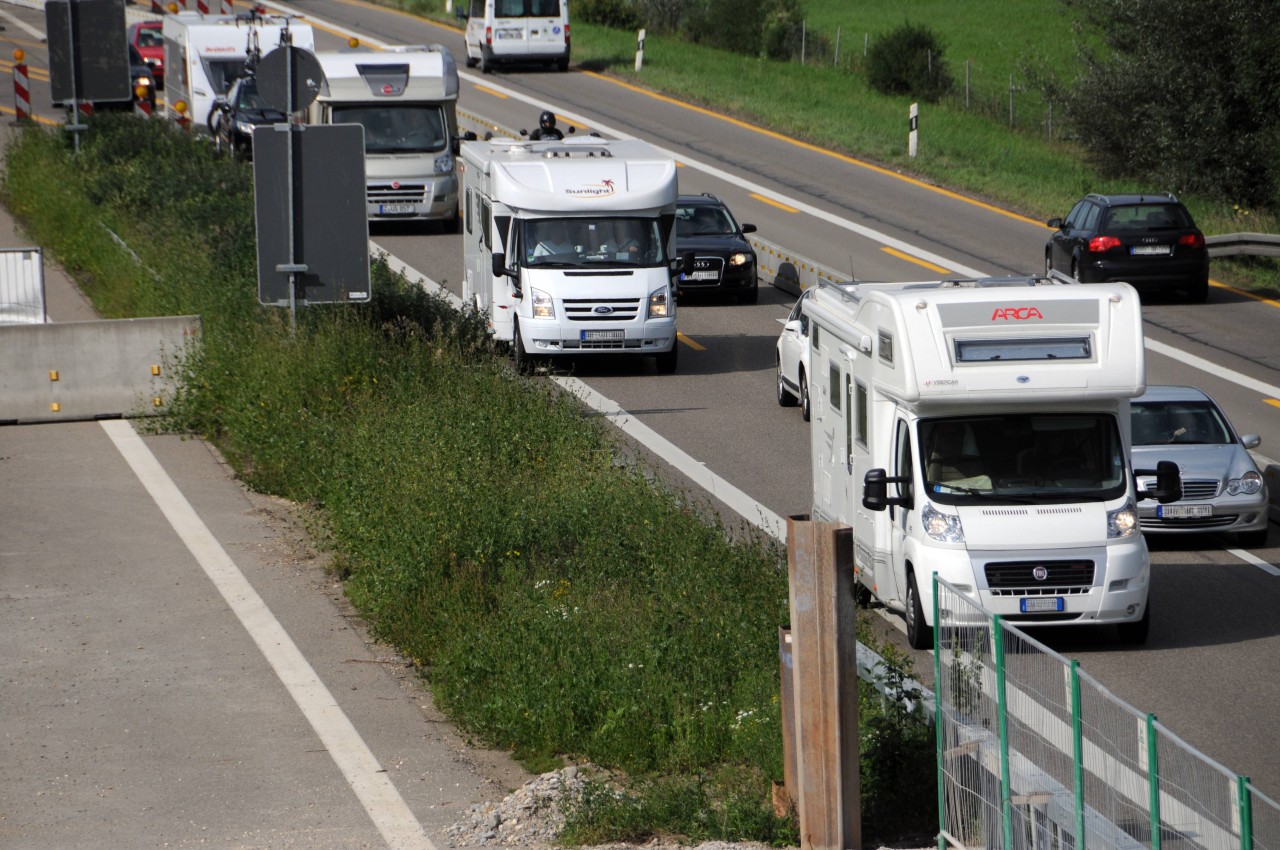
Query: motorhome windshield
x=1022 y=457
x=397 y=128
x=591 y=243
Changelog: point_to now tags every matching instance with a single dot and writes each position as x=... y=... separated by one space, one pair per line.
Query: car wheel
x=471 y=62
x=519 y=356
x=804 y=396
x=1136 y=633
x=1198 y=292
x=486 y=61
x=666 y=361
x=785 y=398
x=451 y=224
x=919 y=635
x=1252 y=539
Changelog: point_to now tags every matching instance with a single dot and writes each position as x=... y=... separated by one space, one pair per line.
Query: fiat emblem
x=1040 y=573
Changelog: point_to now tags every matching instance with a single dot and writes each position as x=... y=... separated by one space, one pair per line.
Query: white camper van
x=204 y=54
x=516 y=32
x=568 y=246
x=406 y=98
x=979 y=429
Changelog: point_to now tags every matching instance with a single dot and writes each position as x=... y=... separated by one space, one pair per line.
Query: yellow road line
x=771 y=202
x=1273 y=402
x=490 y=91
x=695 y=346
x=910 y=259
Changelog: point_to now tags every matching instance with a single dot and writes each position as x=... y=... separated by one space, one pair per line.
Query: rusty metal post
x=824 y=650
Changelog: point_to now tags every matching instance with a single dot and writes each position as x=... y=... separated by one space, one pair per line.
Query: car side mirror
x=1055 y=223
x=748 y=228
x=1250 y=441
x=1168 y=483
x=686 y=262
x=793 y=325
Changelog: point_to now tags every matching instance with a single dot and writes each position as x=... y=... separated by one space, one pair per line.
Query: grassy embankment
x=558 y=601
x=971 y=149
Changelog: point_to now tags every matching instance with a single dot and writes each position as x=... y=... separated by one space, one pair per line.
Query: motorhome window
x=848 y=426
x=1022 y=457
x=470 y=210
x=833 y=386
x=814 y=337
x=579 y=242
x=399 y=128
x=886 y=347
x=1045 y=348
x=860 y=412
x=484 y=225
x=905 y=464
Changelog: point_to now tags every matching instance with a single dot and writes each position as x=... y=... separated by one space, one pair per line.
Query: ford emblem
x=603 y=309
x=1023 y=379
x=1040 y=573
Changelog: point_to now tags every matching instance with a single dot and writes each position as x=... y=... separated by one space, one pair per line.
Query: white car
x=1222 y=489
x=793 y=358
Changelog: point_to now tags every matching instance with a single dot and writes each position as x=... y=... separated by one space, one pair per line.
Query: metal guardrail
x=1255 y=244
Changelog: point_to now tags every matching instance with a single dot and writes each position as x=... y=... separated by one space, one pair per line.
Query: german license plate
x=602 y=335
x=1183 y=511
x=1151 y=250
x=396 y=209
x=1041 y=604
x=701 y=276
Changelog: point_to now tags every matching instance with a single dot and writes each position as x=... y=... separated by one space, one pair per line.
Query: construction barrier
x=21 y=92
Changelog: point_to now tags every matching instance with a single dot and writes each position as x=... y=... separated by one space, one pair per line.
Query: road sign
x=274 y=74
x=314 y=223
x=88 y=51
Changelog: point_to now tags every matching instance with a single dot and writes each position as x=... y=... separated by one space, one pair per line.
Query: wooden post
x=824 y=650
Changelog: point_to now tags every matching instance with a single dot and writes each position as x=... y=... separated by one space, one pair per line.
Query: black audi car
x=723 y=259
x=233 y=120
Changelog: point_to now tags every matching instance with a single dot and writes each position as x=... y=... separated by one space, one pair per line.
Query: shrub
x=908 y=61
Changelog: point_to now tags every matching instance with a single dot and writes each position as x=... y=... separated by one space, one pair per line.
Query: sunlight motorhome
x=406 y=99
x=979 y=429
x=204 y=54
x=568 y=246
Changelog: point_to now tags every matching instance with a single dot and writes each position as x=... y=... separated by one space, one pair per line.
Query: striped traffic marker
x=21 y=87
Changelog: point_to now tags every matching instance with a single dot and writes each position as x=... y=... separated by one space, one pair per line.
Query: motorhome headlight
x=1122 y=522
x=444 y=163
x=660 y=305
x=1248 y=484
x=942 y=527
x=739 y=259
x=541 y=304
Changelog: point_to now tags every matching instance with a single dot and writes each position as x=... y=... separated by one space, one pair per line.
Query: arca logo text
x=1016 y=314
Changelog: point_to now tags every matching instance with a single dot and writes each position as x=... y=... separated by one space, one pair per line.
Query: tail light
x=488 y=36
x=1191 y=240
x=566 y=35
x=1101 y=244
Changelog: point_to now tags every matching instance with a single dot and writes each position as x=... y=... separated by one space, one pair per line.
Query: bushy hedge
x=560 y=601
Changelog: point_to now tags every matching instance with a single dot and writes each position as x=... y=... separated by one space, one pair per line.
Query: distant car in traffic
x=233 y=120
x=723 y=258
x=793 y=358
x=1222 y=488
x=148 y=38
x=1149 y=241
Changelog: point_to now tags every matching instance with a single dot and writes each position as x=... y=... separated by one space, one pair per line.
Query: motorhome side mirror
x=500 y=265
x=1168 y=482
x=875 y=490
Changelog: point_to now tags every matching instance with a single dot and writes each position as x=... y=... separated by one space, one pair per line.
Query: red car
x=148 y=37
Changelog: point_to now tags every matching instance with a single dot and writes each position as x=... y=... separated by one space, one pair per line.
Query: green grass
x=560 y=601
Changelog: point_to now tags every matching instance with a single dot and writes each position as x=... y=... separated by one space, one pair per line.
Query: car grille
x=707 y=264
x=1015 y=578
x=594 y=310
x=1200 y=489
x=405 y=193
x=1194 y=523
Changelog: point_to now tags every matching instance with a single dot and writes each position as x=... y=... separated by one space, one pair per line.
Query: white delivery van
x=204 y=54
x=516 y=32
x=406 y=99
x=568 y=246
x=979 y=429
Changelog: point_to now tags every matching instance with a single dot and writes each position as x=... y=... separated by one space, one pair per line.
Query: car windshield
x=150 y=37
x=591 y=242
x=399 y=128
x=703 y=220
x=1022 y=458
x=247 y=97
x=1178 y=422
x=1146 y=217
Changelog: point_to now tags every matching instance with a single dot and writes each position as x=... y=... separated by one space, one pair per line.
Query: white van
x=516 y=32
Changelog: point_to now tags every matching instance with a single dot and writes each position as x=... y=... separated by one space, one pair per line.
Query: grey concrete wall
x=91 y=370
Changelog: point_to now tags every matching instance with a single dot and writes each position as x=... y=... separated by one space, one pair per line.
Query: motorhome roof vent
x=576 y=152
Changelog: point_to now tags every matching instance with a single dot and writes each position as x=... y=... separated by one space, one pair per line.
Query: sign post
x=913 y=124
x=640 y=50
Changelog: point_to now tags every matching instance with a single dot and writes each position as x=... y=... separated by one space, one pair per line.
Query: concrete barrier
x=91 y=370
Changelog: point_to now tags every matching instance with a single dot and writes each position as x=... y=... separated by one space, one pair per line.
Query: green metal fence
x=1034 y=753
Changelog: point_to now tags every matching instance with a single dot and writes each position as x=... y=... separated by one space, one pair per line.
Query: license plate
x=1151 y=250
x=509 y=33
x=1041 y=604
x=396 y=209
x=701 y=276
x=599 y=335
x=1183 y=511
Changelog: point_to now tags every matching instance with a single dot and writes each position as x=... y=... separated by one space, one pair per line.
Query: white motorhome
x=979 y=429
x=569 y=246
x=406 y=99
x=204 y=54
x=516 y=32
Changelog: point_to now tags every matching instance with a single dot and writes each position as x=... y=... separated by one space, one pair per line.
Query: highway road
x=1209 y=670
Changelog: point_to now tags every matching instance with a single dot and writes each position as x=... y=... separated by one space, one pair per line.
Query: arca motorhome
x=979 y=430
x=406 y=99
x=569 y=246
x=204 y=54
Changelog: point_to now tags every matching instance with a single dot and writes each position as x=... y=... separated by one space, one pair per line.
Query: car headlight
x=739 y=259
x=444 y=163
x=1248 y=484
x=660 y=304
x=244 y=127
x=1122 y=522
x=543 y=306
x=942 y=527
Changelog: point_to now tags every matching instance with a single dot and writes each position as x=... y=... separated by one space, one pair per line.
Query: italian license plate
x=395 y=209
x=1151 y=250
x=701 y=276
x=602 y=335
x=1041 y=604
x=1183 y=511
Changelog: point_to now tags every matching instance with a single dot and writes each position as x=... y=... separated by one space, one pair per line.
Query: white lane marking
x=32 y=31
x=383 y=803
x=1250 y=558
x=1269 y=390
